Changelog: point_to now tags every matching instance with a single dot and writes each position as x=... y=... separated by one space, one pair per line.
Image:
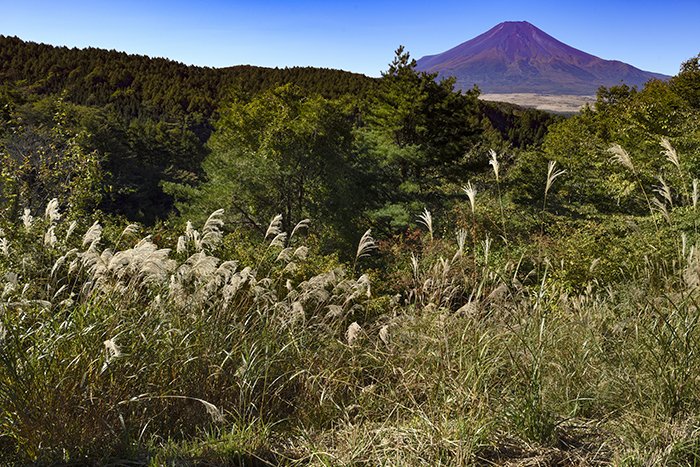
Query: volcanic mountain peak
x=515 y=56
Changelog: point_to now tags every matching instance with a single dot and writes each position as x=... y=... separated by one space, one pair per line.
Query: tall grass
x=114 y=347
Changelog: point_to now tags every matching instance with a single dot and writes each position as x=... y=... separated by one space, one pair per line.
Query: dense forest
x=252 y=266
x=148 y=121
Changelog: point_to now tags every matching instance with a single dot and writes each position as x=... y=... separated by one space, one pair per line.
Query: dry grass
x=117 y=347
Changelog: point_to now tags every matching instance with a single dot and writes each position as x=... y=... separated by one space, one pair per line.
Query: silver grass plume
x=279 y=240
x=190 y=236
x=285 y=255
x=189 y=230
x=71 y=228
x=112 y=351
x=661 y=207
x=493 y=162
x=302 y=224
x=52 y=214
x=275 y=227
x=415 y=266
x=301 y=252
x=363 y=286
x=145 y=261
x=664 y=190
x=695 y=193
x=471 y=194
x=50 y=236
x=201 y=265
x=213 y=411
x=4 y=246
x=621 y=156
x=129 y=230
x=384 y=334
x=61 y=260
x=426 y=219
x=487 y=249
x=552 y=174
x=211 y=232
x=93 y=234
x=684 y=243
x=461 y=242
x=366 y=245
x=27 y=219
x=353 y=333
x=181 y=245
x=670 y=152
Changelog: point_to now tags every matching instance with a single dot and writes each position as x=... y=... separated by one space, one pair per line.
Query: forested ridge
x=141 y=86
x=279 y=270
x=148 y=119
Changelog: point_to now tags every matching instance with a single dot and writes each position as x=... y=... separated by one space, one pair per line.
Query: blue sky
x=352 y=35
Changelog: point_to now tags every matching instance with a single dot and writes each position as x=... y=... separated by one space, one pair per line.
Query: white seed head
x=552 y=174
x=493 y=161
x=5 y=246
x=365 y=245
x=303 y=224
x=111 y=349
x=621 y=156
x=52 y=213
x=27 y=219
x=426 y=219
x=384 y=334
x=353 y=333
x=214 y=412
x=471 y=194
x=211 y=232
x=279 y=240
x=181 y=244
x=71 y=229
x=670 y=152
x=130 y=229
x=301 y=253
x=93 y=234
x=275 y=227
x=664 y=190
x=50 y=236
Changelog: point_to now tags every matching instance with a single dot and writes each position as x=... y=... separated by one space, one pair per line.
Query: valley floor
x=564 y=103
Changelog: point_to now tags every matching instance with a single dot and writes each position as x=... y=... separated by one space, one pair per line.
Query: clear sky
x=351 y=35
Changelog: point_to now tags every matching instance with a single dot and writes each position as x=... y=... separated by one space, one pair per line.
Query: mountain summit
x=517 y=57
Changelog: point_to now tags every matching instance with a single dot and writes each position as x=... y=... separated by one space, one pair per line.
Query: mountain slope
x=518 y=57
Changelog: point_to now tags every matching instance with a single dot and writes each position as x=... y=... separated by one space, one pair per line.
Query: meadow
x=401 y=276
x=119 y=347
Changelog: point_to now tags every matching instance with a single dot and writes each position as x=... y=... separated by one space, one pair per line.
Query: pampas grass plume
x=353 y=333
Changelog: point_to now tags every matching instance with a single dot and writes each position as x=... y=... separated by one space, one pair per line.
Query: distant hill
x=517 y=57
x=138 y=85
x=148 y=118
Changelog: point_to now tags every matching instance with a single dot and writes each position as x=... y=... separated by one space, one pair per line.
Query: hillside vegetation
x=402 y=277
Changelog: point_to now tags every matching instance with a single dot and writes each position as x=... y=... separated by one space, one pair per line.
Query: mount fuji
x=517 y=57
